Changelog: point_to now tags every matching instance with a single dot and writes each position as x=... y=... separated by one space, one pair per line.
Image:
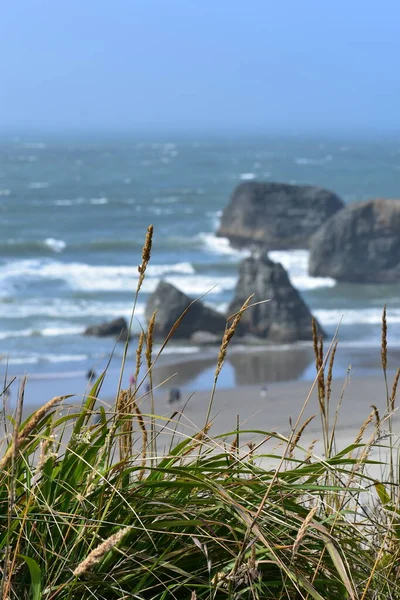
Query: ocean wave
x=102 y=200
x=55 y=245
x=34 y=145
x=220 y=245
x=48 y=358
x=197 y=285
x=38 y=185
x=5 y=192
x=69 y=202
x=356 y=316
x=247 y=176
x=296 y=264
x=53 y=308
x=180 y=350
x=84 y=277
x=19 y=246
x=45 y=332
x=313 y=161
x=59 y=358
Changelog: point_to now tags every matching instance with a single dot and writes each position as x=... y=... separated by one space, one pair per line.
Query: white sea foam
x=102 y=200
x=46 y=331
x=5 y=192
x=55 y=245
x=63 y=202
x=47 y=357
x=183 y=267
x=60 y=358
x=38 y=185
x=220 y=245
x=68 y=202
x=356 y=316
x=84 y=277
x=181 y=350
x=67 y=308
x=35 y=145
x=296 y=263
x=247 y=176
x=202 y=284
x=313 y=161
x=23 y=360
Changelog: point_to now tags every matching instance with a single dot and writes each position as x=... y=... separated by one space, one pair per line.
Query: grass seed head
x=228 y=335
x=146 y=253
x=95 y=556
x=149 y=339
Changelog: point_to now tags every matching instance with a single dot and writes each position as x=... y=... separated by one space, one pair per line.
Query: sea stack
x=277 y=216
x=360 y=244
x=285 y=317
x=170 y=303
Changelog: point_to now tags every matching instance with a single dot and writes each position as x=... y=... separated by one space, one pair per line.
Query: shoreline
x=194 y=372
x=257 y=413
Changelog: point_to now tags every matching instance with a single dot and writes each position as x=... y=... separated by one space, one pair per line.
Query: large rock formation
x=285 y=318
x=277 y=216
x=170 y=303
x=359 y=244
x=117 y=328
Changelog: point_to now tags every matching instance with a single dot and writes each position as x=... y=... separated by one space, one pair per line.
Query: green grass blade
x=36 y=576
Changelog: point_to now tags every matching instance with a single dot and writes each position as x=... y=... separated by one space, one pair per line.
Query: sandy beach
x=257 y=413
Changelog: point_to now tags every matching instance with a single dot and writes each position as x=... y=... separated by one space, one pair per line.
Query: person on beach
x=132 y=382
x=263 y=391
x=91 y=375
x=174 y=395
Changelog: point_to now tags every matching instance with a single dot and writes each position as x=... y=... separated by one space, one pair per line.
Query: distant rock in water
x=360 y=244
x=285 y=318
x=170 y=303
x=277 y=216
x=117 y=328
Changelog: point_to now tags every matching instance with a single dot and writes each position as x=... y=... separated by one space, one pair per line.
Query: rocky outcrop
x=170 y=303
x=277 y=216
x=117 y=328
x=285 y=318
x=360 y=244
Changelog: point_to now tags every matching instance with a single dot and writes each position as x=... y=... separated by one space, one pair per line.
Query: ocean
x=74 y=213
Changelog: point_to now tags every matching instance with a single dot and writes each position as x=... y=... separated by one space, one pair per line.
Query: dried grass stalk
x=139 y=355
x=124 y=413
x=364 y=427
x=229 y=333
x=303 y=530
x=149 y=339
x=142 y=426
x=377 y=418
x=310 y=451
x=29 y=427
x=394 y=391
x=319 y=361
x=95 y=556
x=315 y=342
x=299 y=434
x=330 y=371
x=146 y=252
x=197 y=439
x=384 y=340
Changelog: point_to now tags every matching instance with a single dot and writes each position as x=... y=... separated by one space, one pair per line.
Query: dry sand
x=258 y=414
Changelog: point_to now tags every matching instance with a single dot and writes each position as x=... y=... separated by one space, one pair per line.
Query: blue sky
x=259 y=65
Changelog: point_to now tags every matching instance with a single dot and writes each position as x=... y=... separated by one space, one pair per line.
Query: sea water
x=74 y=212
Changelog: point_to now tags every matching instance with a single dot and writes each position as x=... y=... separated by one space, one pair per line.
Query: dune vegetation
x=91 y=507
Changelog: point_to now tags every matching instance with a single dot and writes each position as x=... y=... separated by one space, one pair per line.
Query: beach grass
x=118 y=503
